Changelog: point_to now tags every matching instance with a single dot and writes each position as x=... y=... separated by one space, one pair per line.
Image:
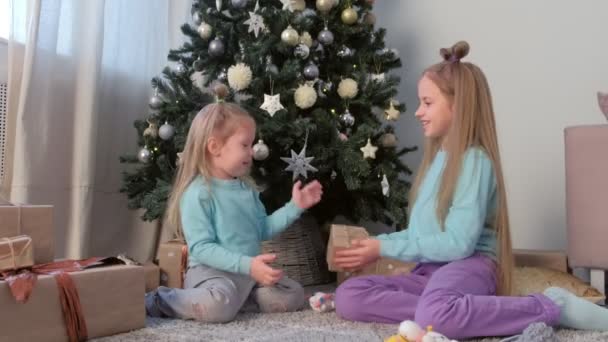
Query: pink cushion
x=587 y=195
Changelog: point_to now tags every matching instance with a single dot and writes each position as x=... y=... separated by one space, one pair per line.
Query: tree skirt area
x=306 y=325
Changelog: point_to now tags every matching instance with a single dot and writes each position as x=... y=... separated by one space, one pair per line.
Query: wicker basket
x=300 y=252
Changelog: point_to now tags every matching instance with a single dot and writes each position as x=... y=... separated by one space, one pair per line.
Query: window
x=4 y=19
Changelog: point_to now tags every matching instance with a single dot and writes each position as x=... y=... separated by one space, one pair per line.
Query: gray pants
x=214 y=296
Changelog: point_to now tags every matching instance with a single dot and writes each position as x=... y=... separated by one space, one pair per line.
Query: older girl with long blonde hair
x=458 y=230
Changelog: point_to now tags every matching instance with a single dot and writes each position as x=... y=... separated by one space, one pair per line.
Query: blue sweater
x=469 y=221
x=224 y=223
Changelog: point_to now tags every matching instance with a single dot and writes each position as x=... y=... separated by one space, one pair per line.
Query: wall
x=3 y=61
x=544 y=59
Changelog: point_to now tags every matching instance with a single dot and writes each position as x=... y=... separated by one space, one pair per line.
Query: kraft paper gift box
x=111 y=300
x=35 y=221
x=172 y=260
x=340 y=238
x=152 y=275
x=16 y=252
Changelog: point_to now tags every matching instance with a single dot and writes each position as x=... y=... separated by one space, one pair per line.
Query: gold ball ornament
x=298 y=5
x=306 y=39
x=290 y=36
x=152 y=130
x=349 y=16
x=325 y=6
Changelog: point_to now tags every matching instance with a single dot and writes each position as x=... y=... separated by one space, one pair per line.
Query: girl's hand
x=307 y=196
x=262 y=273
x=361 y=253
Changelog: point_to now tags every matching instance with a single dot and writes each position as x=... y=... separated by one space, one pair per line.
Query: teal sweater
x=224 y=223
x=468 y=224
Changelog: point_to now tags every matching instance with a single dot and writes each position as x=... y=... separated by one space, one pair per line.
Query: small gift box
x=16 y=252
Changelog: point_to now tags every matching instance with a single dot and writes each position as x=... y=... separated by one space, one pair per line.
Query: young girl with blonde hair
x=458 y=228
x=224 y=221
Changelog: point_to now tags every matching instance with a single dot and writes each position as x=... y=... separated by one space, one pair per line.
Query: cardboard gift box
x=35 y=221
x=173 y=261
x=340 y=237
x=152 y=275
x=111 y=300
x=16 y=252
x=383 y=266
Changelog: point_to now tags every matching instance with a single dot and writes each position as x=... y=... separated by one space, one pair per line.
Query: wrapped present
x=173 y=261
x=109 y=299
x=340 y=237
x=35 y=221
x=152 y=275
x=383 y=266
x=16 y=252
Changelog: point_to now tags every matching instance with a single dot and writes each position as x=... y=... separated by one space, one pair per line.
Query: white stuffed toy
x=409 y=331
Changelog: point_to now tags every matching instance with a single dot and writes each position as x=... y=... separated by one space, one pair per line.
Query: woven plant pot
x=300 y=252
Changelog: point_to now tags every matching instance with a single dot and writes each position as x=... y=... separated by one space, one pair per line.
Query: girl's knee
x=441 y=314
x=346 y=299
x=218 y=310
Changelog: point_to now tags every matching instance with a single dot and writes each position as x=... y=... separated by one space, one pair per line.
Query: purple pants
x=458 y=299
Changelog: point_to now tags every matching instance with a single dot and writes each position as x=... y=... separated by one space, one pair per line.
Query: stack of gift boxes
x=110 y=298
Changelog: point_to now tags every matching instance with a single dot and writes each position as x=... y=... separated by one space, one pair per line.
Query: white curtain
x=79 y=75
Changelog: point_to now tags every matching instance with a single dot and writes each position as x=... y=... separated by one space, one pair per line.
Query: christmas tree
x=314 y=75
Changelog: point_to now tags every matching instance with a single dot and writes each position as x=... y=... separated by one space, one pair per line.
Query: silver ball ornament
x=347 y=118
x=301 y=51
x=260 y=150
x=311 y=72
x=155 y=102
x=326 y=37
x=144 y=155
x=166 y=131
x=180 y=68
x=345 y=51
x=290 y=36
x=240 y=4
x=223 y=75
x=216 y=48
